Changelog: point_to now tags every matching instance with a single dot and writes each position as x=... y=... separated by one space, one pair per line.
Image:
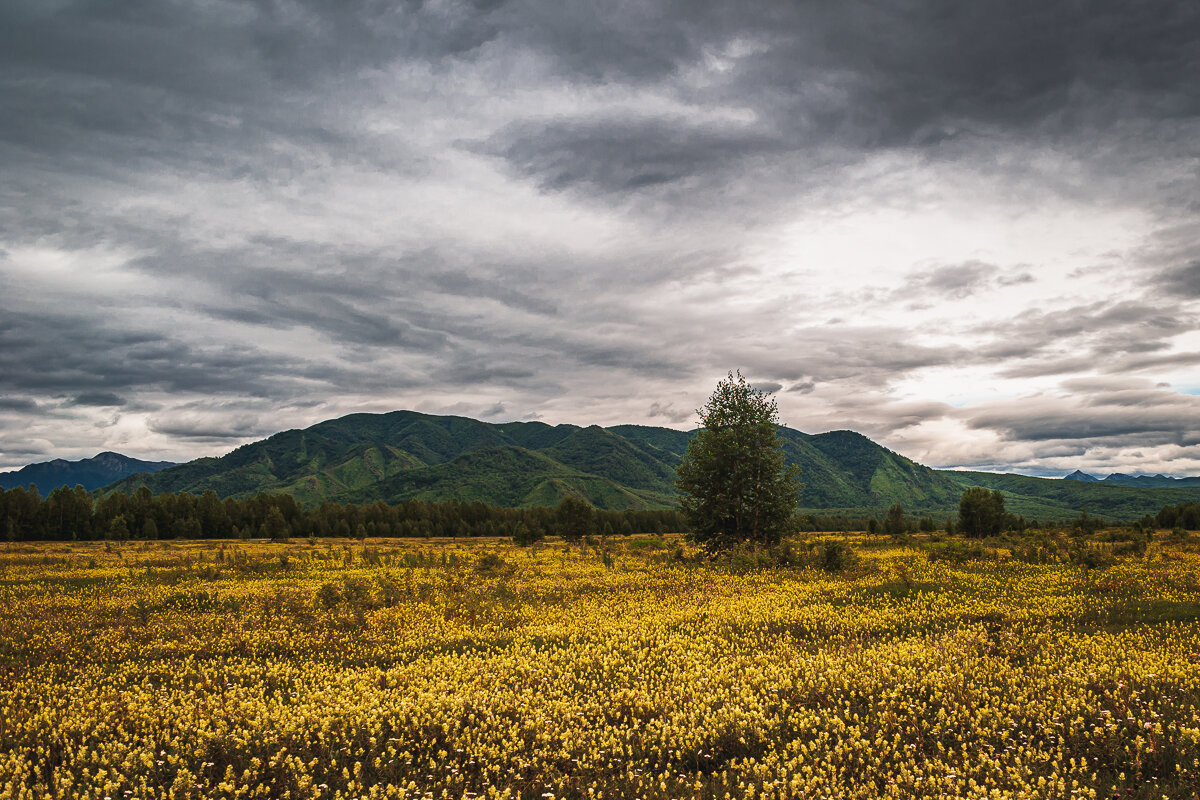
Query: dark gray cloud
x=1182 y=281
x=927 y=287
x=1096 y=336
x=221 y=426
x=1135 y=415
x=863 y=355
x=17 y=404
x=98 y=399
x=941 y=77
x=67 y=354
x=623 y=155
x=957 y=281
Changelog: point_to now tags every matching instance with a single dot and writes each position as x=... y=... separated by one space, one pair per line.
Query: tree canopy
x=734 y=485
x=980 y=512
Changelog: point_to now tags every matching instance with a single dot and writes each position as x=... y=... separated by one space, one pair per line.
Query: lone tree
x=575 y=517
x=735 y=487
x=980 y=512
x=895 y=524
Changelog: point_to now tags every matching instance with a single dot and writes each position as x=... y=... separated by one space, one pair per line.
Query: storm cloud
x=950 y=226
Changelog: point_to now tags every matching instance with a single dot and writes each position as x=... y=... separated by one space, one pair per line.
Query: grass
x=632 y=668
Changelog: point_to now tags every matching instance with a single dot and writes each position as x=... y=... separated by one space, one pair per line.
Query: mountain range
x=91 y=473
x=406 y=455
x=1121 y=479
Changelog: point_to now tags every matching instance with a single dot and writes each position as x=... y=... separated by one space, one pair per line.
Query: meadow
x=461 y=669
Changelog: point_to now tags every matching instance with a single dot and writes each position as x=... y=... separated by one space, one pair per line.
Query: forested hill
x=90 y=473
x=406 y=455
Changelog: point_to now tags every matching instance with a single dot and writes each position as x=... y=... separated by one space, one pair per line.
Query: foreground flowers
x=402 y=672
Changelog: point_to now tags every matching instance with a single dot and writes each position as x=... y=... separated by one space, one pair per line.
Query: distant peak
x=1079 y=475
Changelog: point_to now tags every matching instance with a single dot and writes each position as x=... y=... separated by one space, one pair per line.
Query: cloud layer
x=967 y=230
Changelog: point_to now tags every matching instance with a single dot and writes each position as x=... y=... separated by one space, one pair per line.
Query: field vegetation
x=1048 y=665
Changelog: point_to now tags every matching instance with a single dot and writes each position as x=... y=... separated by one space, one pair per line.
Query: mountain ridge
x=91 y=473
x=1121 y=479
x=404 y=455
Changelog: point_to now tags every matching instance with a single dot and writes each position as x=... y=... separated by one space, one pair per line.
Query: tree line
x=75 y=514
x=1185 y=516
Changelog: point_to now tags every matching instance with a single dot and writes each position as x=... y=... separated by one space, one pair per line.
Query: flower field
x=452 y=670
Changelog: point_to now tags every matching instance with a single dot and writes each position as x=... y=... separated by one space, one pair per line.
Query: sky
x=970 y=231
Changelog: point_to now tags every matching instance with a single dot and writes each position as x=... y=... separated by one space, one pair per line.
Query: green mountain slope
x=846 y=471
x=596 y=451
x=404 y=455
x=506 y=476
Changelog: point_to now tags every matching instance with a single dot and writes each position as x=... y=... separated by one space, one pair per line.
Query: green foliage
x=118 y=529
x=278 y=517
x=575 y=518
x=734 y=485
x=835 y=555
x=956 y=552
x=1184 y=515
x=523 y=535
x=491 y=564
x=827 y=554
x=980 y=512
x=276 y=527
x=894 y=523
x=1081 y=554
x=1085 y=525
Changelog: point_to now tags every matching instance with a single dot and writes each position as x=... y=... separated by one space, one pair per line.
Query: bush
x=1081 y=555
x=829 y=555
x=1135 y=546
x=835 y=556
x=523 y=536
x=894 y=524
x=329 y=595
x=957 y=553
x=1085 y=525
x=747 y=558
x=491 y=563
x=1039 y=549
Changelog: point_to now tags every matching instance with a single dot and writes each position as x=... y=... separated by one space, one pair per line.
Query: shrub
x=835 y=555
x=1081 y=555
x=523 y=536
x=957 y=553
x=1135 y=546
x=328 y=595
x=490 y=563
